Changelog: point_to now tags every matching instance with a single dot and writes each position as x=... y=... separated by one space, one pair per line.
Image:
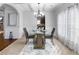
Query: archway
x=9 y=15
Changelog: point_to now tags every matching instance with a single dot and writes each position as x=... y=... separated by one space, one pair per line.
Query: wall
x=50 y=22
x=20 y=24
x=54 y=22
x=7 y=28
x=55 y=11
x=29 y=21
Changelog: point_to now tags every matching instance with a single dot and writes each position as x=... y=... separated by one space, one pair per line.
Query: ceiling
x=43 y=6
x=34 y=6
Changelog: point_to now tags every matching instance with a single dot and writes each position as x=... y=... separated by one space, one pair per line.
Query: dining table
x=39 y=39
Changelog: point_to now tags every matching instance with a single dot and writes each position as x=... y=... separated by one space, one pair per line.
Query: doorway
x=41 y=22
x=1 y=28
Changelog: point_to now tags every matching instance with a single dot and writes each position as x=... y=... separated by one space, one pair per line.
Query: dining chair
x=26 y=35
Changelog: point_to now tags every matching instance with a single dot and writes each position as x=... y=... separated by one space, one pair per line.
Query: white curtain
x=67 y=34
x=74 y=18
x=62 y=24
x=76 y=40
x=68 y=26
x=72 y=26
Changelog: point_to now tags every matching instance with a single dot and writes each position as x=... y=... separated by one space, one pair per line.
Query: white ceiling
x=43 y=6
x=34 y=6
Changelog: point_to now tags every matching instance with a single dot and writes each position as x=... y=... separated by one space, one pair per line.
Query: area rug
x=50 y=49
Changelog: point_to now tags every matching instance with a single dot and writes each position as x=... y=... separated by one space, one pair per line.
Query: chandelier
x=38 y=14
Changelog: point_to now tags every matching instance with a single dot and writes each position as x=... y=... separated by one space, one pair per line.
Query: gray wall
x=29 y=21
x=17 y=30
x=8 y=28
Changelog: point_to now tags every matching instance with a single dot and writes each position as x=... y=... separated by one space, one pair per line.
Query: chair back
x=25 y=32
x=52 y=33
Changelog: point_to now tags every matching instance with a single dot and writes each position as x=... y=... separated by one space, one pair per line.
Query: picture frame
x=12 y=19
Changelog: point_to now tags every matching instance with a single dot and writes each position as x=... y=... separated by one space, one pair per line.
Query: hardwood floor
x=5 y=42
x=16 y=47
x=64 y=50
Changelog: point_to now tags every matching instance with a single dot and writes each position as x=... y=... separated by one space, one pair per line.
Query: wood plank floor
x=5 y=42
x=65 y=50
x=16 y=47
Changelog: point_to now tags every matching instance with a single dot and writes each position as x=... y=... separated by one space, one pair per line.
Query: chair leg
x=52 y=40
x=27 y=40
